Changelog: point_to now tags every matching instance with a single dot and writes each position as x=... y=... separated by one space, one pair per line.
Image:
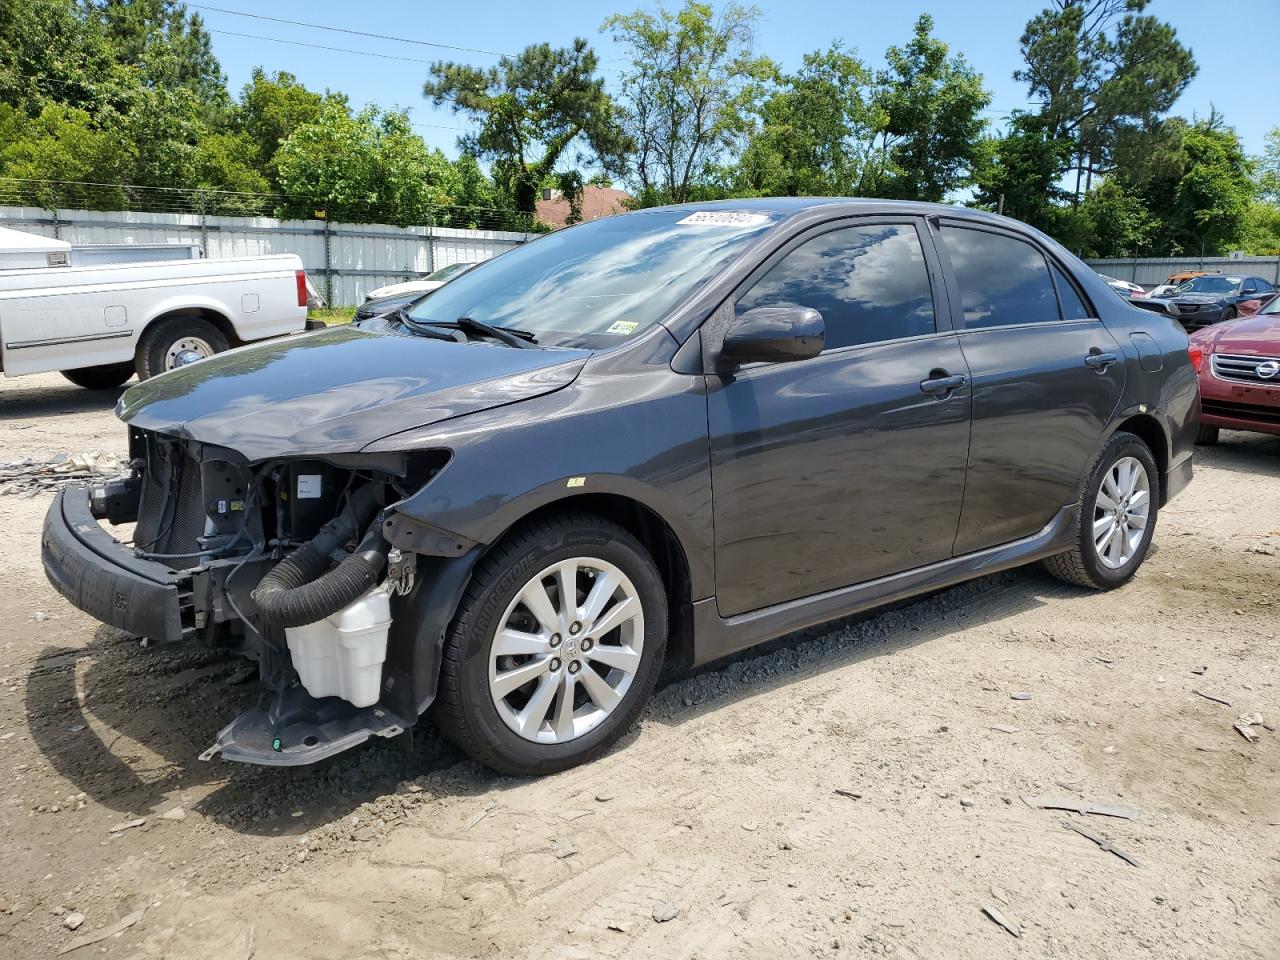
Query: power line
x=348 y=30
x=320 y=46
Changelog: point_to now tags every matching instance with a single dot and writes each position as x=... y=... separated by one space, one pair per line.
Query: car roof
x=790 y=206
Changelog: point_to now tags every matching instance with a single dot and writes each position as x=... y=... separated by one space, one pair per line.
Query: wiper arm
x=401 y=314
x=508 y=335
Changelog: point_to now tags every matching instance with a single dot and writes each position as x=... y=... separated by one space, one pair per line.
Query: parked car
x=1172 y=281
x=1208 y=299
x=99 y=325
x=382 y=306
x=667 y=435
x=432 y=281
x=1124 y=287
x=1239 y=368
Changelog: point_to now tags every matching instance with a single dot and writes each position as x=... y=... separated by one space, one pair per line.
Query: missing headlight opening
x=285 y=562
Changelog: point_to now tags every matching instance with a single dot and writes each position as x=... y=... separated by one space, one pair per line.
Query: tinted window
x=1002 y=280
x=868 y=282
x=1228 y=286
x=1073 y=307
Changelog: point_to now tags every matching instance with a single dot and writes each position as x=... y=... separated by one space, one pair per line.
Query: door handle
x=1100 y=361
x=941 y=386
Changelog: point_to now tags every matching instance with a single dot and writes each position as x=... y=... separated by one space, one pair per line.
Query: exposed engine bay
x=288 y=563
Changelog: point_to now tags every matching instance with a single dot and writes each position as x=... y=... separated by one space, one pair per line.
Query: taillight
x=1196 y=353
x=302 y=288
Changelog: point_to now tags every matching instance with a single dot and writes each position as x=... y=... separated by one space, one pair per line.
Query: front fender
x=640 y=434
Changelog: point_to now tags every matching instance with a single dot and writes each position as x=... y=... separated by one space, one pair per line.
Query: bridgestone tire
x=106 y=377
x=464 y=708
x=160 y=337
x=1081 y=565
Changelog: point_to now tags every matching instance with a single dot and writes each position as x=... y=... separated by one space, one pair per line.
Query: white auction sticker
x=309 y=486
x=623 y=326
x=723 y=218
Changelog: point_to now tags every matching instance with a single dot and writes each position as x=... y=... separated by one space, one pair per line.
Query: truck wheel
x=169 y=344
x=556 y=646
x=1207 y=436
x=106 y=377
x=1117 y=517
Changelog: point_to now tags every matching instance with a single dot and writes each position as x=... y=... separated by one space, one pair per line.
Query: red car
x=1239 y=366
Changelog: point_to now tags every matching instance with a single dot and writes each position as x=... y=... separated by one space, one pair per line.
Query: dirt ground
x=854 y=791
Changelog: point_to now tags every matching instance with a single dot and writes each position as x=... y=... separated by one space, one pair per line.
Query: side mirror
x=774 y=335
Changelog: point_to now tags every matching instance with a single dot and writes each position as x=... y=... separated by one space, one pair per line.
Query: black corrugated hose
x=302 y=589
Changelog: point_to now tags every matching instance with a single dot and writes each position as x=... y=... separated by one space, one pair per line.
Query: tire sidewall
x=156 y=341
x=1121 y=445
x=477 y=639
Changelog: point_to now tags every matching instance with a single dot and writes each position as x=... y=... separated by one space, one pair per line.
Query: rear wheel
x=106 y=377
x=556 y=647
x=1207 y=436
x=1117 y=517
x=170 y=344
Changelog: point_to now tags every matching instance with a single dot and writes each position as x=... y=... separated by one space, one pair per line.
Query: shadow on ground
x=22 y=402
x=125 y=725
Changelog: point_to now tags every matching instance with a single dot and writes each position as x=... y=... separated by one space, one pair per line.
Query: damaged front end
x=301 y=565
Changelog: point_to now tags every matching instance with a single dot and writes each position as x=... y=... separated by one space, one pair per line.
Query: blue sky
x=1228 y=39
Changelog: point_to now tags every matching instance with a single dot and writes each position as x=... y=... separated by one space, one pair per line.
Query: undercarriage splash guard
x=298 y=729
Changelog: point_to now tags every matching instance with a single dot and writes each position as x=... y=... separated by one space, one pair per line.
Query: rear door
x=1047 y=376
x=849 y=466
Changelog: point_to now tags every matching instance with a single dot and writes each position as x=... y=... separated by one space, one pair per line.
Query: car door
x=848 y=466
x=1046 y=378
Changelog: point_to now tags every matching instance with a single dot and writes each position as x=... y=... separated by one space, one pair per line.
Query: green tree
x=1019 y=173
x=1113 y=221
x=370 y=166
x=166 y=44
x=1268 y=166
x=532 y=110
x=689 y=93
x=1101 y=67
x=1206 y=208
x=62 y=143
x=271 y=107
x=50 y=53
x=933 y=107
x=817 y=132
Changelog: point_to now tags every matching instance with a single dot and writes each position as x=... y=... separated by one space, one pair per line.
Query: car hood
x=1258 y=335
x=338 y=390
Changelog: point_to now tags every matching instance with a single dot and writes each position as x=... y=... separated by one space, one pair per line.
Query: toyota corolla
x=658 y=437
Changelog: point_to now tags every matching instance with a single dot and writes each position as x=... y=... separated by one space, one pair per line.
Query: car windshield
x=444 y=273
x=596 y=284
x=1210 y=285
x=1272 y=307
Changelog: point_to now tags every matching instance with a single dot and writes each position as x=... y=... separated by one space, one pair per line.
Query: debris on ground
x=72 y=921
x=1210 y=696
x=1000 y=917
x=840 y=792
x=1246 y=730
x=662 y=912
x=27 y=477
x=563 y=849
x=1083 y=807
x=1005 y=728
x=1020 y=695
x=120 y=926
x=1102 y=842
x=177 y=813
x=128 y=825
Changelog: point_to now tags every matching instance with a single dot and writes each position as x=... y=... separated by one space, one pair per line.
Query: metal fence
x=1151 y=271
x=344 y=260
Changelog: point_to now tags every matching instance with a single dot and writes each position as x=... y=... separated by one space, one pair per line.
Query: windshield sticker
x=723 y=218
x=623 y=326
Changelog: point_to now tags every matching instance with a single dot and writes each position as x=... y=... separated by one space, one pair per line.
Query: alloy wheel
x=567 y=650
x=1120 y=512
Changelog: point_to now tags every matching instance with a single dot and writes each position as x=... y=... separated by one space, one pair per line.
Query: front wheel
x=1117 y=517
x=105 y=377
x=556 y=646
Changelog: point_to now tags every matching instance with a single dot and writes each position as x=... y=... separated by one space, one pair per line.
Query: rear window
x=1002 y=280
x=1073 y=307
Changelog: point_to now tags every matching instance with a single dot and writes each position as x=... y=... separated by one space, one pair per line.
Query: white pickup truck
x=99 y=325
